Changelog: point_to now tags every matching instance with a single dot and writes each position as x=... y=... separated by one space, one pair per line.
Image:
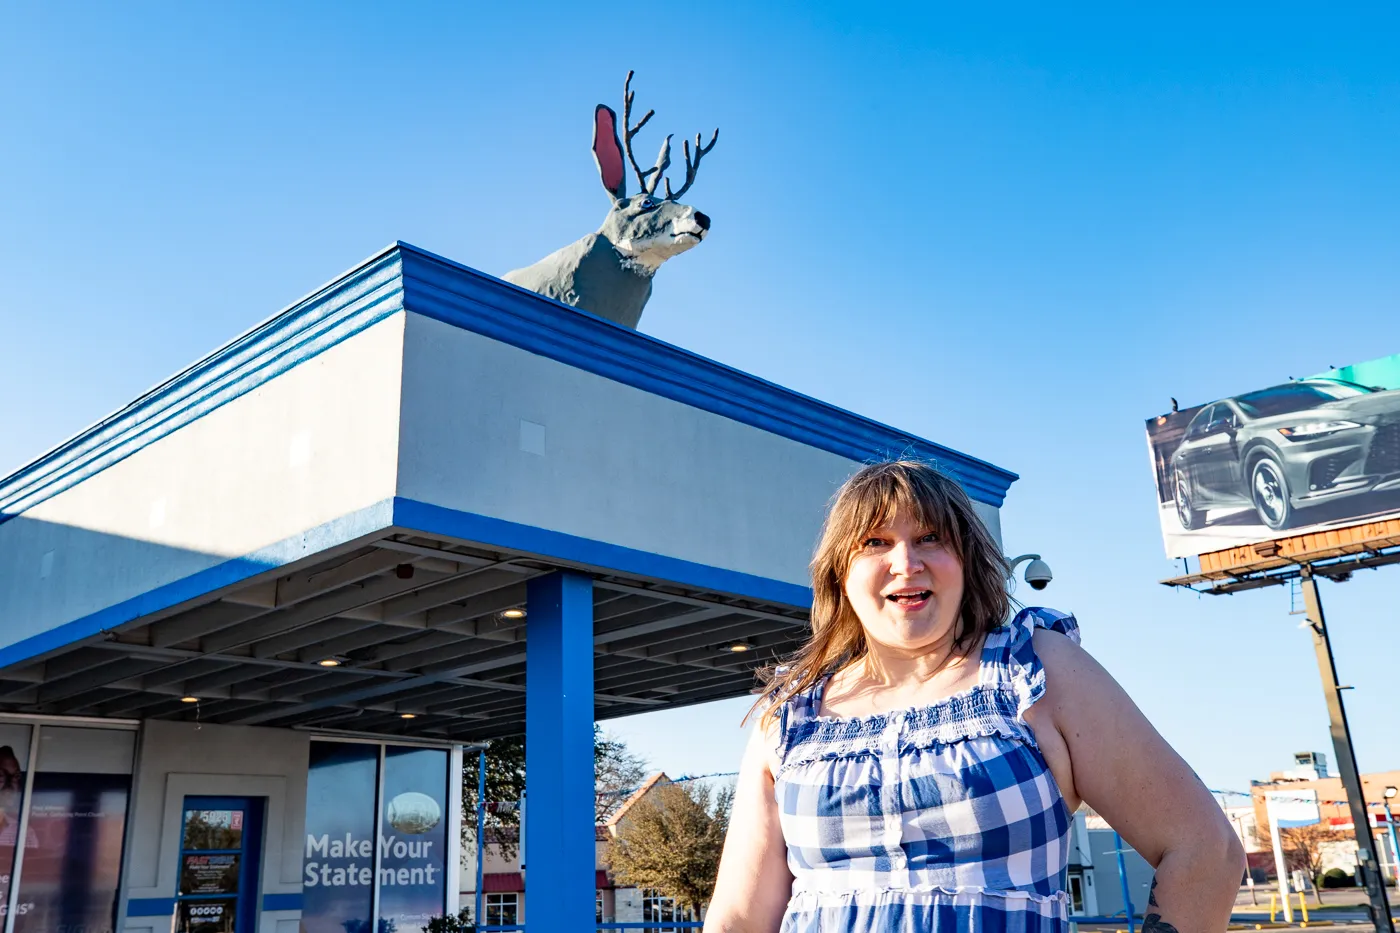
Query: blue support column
x=559 y=834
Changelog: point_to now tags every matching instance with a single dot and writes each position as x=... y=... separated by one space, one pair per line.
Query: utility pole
x=1378 y=907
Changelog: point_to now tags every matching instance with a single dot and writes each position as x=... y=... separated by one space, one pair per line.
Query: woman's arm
x=1102 y=749
x=754 y=882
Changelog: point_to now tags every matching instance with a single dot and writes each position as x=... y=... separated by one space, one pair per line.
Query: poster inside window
x=71 y=869
x=359 y=813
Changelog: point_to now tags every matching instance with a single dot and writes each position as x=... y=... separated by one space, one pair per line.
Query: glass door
x=220 y=845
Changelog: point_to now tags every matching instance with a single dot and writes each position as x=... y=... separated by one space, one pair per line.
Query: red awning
x=497 y=882
x=500 y=882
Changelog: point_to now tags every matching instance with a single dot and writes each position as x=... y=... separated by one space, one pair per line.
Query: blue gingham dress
x=938 y=818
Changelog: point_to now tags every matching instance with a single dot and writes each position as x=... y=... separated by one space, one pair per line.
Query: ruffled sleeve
x=1021 y=665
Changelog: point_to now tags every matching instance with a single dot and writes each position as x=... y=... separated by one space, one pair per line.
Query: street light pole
x=1248 y=872
x=1394 y=845
x=1379 y=907
x=477 y=917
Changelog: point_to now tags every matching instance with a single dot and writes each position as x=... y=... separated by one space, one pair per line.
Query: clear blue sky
x=1015 y=232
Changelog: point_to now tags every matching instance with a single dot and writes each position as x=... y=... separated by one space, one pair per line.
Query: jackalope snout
x=609 y=272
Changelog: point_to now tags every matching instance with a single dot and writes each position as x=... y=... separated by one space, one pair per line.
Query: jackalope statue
x=609 y=272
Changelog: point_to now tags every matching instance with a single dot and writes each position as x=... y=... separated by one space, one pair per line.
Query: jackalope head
x=609 y=272
x=646 y=229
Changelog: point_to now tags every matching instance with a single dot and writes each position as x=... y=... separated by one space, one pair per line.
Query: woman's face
x=905 y=586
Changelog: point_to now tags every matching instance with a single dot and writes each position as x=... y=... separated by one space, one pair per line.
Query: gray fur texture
x=609 y=272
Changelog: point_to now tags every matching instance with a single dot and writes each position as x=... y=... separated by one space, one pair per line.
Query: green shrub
x=1336 y=878
x=462 y=923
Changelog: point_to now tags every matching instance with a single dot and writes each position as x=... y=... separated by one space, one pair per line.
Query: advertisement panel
x=338 y=861
x=413 y=838
x=369 y=829
x=1302 y=456
x=14 y=762
x=73 y=853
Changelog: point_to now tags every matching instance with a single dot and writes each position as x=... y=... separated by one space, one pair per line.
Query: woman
x=917 y=763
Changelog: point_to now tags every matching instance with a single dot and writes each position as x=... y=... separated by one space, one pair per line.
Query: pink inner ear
x=606 y=149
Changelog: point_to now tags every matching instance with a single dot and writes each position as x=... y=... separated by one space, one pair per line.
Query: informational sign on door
x=369 y=827
x=219 y=916
x=209 y=874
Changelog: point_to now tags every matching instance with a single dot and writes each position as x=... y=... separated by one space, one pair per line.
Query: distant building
x=1334 y=810
x=1096 y=883
x=1308 y=766
x=1246 y=826
x=503 y=879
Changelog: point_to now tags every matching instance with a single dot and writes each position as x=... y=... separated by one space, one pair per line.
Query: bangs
x=885 y=494
x=874 y=496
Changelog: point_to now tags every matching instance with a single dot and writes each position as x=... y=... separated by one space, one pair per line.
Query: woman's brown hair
x=869 y=499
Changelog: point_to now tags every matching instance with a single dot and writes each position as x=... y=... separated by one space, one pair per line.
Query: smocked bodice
x=938 y=818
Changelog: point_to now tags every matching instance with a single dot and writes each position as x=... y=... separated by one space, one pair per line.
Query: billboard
x=1302 y=456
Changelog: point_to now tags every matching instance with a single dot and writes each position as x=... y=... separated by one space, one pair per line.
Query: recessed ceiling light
x=516 y=613
x=329 y=662
x=408 y=715
x=189 y=699
x=740 y=646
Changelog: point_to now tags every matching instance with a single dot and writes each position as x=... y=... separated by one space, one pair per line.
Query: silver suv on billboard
x=1285 y=448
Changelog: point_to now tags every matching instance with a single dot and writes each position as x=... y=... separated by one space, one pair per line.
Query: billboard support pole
x=1378 y=908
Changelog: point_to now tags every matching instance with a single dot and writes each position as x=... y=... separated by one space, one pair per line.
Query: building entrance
x=220 y=847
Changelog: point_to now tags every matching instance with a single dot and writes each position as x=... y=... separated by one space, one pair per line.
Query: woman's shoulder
x=1017 y=652
x=1013 y=647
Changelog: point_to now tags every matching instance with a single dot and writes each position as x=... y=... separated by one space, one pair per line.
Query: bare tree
x=1302 y=848
x=617 y=772
x=670 y=842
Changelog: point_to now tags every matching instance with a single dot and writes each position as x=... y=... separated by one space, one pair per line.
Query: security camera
x=1038 y=574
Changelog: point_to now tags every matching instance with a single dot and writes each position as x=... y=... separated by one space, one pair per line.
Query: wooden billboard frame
x=1326 y=544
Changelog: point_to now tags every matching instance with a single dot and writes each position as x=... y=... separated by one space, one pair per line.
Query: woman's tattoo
x=1153 y=922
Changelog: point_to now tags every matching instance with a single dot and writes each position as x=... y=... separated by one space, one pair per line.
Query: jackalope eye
x=649 y=204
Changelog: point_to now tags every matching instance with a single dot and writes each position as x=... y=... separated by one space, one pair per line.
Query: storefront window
x=376 y=816
x=70 y=870
x=338 y=860
x=14 y=762
x=413 y=838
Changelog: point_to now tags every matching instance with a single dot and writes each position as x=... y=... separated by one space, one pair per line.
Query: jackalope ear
x=607 y=151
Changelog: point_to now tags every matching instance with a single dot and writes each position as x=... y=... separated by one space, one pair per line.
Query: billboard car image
x=1292 y=458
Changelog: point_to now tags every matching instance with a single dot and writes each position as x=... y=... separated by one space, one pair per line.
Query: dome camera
x=1038 y=574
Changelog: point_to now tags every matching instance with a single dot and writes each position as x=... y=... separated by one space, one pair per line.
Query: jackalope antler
x=663 y=159
x=690 y=167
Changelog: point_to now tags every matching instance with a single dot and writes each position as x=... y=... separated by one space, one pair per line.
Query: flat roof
x=388 y=618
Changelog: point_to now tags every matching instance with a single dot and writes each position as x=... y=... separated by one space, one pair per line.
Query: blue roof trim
x=593 y=555
x=403 y=276
x=456 y=294
x=354 y=526
x=355 y=301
